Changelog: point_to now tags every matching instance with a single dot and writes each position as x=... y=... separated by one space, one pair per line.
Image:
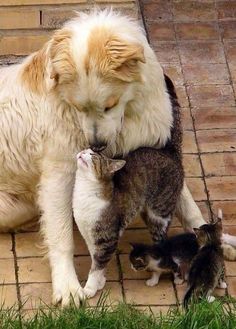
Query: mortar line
x=226 y=59
x=121 y=278
x=141 y=10
x=231 y=84
x=193 y=122
x=16 y=270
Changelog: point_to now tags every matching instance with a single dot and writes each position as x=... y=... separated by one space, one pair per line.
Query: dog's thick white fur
x=97 y=81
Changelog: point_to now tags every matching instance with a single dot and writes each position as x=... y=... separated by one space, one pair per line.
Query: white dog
x=95 y=83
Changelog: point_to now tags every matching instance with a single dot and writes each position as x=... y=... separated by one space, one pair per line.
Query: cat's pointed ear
x=116 y=165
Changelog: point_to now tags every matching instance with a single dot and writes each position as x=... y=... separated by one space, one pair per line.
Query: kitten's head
x=210 y=233
x=139 y=256
x=97 y=165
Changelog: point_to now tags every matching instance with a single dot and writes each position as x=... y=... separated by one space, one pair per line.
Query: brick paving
x=195 y=41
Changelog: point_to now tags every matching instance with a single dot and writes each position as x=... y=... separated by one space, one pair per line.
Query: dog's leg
x=55 y=200
x=187 y=211
x=14 y=212
x=229 y=239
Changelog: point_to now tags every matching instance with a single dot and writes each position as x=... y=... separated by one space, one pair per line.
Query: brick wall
x=26 y=24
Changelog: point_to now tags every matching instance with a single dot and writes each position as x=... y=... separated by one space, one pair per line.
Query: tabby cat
x=110 y=193
x=207 y=268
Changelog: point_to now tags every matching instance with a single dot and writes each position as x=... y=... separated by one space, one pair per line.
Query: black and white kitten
x=207 y=268
x=172 y=254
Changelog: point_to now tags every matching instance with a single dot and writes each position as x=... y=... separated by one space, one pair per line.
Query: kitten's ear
x=116 y=165
x=132 y=245
x=218 y=222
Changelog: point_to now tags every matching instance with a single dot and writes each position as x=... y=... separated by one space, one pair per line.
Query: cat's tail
x=188 y=295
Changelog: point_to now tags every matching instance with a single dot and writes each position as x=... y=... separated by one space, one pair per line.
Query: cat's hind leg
x=156 y=224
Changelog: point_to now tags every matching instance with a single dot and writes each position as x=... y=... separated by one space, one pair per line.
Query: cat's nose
x=98 y=147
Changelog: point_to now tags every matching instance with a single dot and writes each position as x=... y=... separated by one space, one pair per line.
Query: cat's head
x=139 y=256
x=210 y=233
x=97 y=165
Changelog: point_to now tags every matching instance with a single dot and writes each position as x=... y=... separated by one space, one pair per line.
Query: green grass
x=218 y=315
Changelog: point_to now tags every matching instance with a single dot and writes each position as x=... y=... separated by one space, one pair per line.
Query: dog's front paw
x=66 y=288
x=68 y=293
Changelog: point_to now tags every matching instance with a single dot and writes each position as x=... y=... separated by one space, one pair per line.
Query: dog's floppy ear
x=62 y=65
x=113 y=56
x=124 y=58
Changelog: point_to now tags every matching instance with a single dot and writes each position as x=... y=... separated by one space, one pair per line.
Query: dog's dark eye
x=107 y=109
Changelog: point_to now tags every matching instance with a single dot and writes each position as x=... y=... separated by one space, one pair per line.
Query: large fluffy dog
x=95 y=83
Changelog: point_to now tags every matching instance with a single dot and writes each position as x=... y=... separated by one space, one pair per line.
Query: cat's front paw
x=96 y=281
x=89 y=291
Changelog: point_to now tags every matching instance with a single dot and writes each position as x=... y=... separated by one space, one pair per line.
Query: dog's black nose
x=98 y=147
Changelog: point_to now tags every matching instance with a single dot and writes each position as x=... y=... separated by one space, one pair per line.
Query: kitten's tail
x=188 y=295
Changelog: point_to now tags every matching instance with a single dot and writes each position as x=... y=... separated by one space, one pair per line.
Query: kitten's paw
x=211 y=299
x=151 y=282
x=222 y=285
x=178 y=281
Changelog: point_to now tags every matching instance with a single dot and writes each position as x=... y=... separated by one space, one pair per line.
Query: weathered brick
x=187 y=10
x=21 y=44
x=54 y=18
x=114 y=1
x=19 y=19
x=37 y=2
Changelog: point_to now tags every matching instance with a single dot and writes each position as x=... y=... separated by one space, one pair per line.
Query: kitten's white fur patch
x=154 y=280
x=222 y=284
x=211 y=299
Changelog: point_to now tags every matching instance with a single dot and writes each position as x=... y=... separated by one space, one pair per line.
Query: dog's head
x=95 y=68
